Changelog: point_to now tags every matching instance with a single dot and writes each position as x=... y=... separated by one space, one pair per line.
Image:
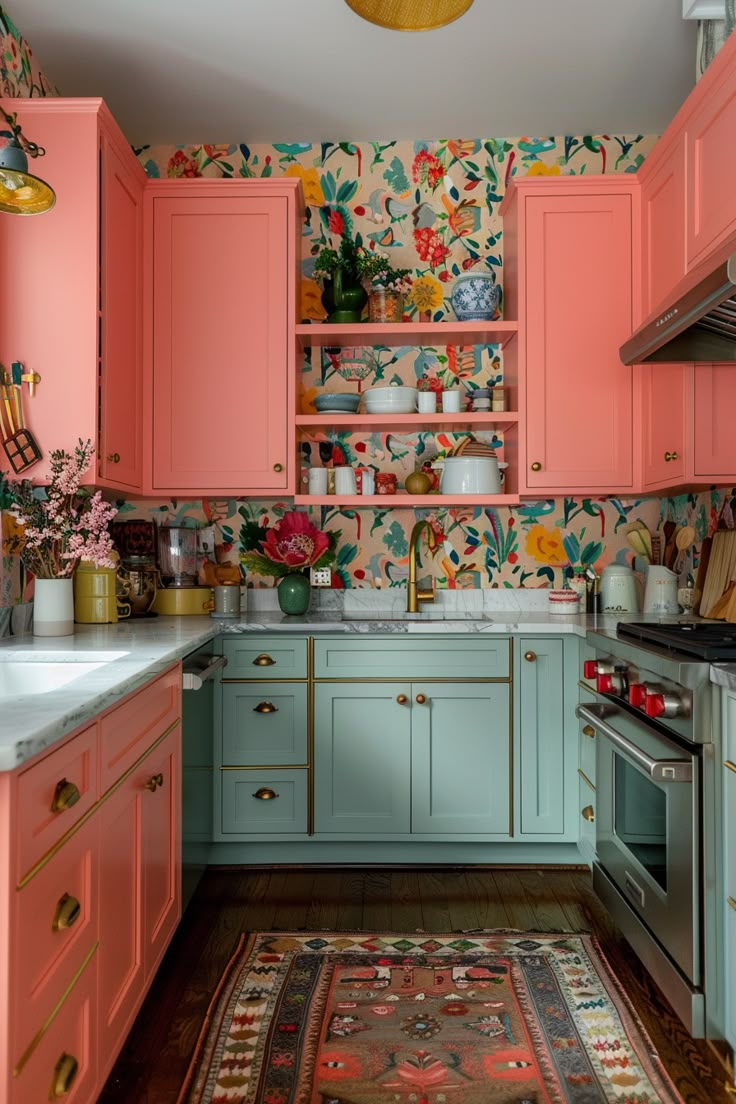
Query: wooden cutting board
x=720 y=572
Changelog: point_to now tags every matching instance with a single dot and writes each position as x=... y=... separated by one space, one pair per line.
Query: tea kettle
x=618 y=589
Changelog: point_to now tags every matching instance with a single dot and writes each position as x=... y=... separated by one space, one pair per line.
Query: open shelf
x=422 y=423
x=406 y=333
x=403 y=501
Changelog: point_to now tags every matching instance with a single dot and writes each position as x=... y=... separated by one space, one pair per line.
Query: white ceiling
x=176 y=71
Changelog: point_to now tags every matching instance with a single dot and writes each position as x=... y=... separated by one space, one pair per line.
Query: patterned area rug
x=477 y=1018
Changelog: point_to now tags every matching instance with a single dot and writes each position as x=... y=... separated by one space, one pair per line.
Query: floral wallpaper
x=20 y=74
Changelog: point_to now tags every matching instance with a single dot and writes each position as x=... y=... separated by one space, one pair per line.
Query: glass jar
x=386 y=483
x=385 y=305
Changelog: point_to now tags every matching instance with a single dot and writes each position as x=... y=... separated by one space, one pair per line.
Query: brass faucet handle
x=425 y=595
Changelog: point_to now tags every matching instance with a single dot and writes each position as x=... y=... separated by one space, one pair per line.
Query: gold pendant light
x=22 y=193
x=410 y=15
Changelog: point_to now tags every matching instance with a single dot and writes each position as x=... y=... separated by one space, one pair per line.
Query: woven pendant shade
x=410 y=15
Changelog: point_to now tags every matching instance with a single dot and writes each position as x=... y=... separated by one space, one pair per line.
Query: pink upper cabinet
x=575 y=291
x=663 y=226
x=70 y=308
x=221 y=335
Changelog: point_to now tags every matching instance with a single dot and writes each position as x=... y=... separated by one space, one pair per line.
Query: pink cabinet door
x=664 y=391
x=121 y=360
x=161 y=841
x=663 y=227
x=711 y=164
x=220 y=343
x=715 y=440
x=578 y=310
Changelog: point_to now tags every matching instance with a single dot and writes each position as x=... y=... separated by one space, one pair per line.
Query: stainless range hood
x=699 y=326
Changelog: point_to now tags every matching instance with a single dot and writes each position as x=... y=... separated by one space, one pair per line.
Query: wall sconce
x=21 y=193
x=410 y=15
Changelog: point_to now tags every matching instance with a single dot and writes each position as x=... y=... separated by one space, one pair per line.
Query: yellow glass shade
x=24 y=194
x=410 y=15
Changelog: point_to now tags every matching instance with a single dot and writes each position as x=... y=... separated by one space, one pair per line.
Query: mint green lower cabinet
x=729 y=860
x=264 y=724
x=263 y=802
x=362 y=758
x=460 y=758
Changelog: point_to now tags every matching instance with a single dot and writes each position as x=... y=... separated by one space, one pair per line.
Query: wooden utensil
x=669 y=551
x=721 y=569
x=683 y=539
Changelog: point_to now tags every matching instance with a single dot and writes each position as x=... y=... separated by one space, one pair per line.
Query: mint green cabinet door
x=264 y=724
x=362 y=758
x=541 y=726
x=461 y=758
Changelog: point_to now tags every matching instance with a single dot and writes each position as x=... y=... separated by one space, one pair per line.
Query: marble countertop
x=132 y=652
x=723 y=674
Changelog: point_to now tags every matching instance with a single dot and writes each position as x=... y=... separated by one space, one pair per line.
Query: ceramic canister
x=618 y=589
x=660 y=592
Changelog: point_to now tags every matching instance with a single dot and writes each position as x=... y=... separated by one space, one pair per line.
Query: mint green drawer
x=264 y=724
x=266 y=657
x=245 y=814
x=463 y=656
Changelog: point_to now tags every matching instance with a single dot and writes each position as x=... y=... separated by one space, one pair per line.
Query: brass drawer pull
x=588 y=813
x=730 y=901
x=729 y=765
x=263 y=660
x=65 y=1071
x=66 y=794
x=264 y=794
x=588 y=730
x=421 y=699
x=536 y=466
x=68 y=911
x=154 y=782
x=530 y=656
x=265 y=707
x=113 y=457
x=402 y=699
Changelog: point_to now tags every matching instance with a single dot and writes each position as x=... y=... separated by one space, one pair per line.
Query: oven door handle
x=659 y=770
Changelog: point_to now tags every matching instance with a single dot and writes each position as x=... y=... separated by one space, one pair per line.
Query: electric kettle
x=618 y=589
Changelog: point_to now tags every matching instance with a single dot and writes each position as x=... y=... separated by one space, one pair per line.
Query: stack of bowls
x=390 y=400
x=343 y=402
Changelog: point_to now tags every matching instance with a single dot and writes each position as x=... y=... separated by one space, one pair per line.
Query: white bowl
x=390 y=400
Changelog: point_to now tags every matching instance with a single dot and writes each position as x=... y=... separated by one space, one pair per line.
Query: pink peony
x=294 y=541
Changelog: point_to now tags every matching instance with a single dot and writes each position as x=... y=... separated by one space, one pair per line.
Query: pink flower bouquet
x=292 y=544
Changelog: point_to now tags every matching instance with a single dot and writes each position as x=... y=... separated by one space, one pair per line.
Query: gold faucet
x=413 y=595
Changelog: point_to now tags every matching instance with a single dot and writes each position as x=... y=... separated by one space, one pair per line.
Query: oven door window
x=640 y=819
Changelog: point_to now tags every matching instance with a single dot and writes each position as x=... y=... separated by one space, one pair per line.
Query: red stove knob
x=590 y=668
x=637 y=694
x=604 y=684
x=654 y=704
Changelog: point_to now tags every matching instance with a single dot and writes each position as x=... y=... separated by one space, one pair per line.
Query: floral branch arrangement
x=62 y=523
x=358 y=265
x=344 y=259
x=292 y=544
x=376 y=271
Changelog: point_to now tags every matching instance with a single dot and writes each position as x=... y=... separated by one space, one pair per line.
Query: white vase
x=53 y=607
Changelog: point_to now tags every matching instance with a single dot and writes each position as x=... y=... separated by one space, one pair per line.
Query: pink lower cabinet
x=714 y=440
x=573 y=239
x=220 y=335
x=90 y=893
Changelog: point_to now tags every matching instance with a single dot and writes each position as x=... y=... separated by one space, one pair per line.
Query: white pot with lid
x=471 y=475
x=618 y=589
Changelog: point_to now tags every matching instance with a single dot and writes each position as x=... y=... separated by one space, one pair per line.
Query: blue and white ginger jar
x=475 y=298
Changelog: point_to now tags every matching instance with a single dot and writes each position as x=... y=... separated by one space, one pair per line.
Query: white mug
x=345 y=481
x=426 y=402
x=451 y=401
x=318 y=481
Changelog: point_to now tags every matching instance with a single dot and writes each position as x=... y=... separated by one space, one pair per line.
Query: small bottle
x=579 y=585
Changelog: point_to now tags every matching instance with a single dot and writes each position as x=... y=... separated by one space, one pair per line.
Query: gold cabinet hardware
x=65 y=1071
x=530 y=656
x=66 y=794
x=729 y=765
x=278 y=467
x=264 y=794
x=670 y=456
x=588 y=813
x=265 y=707
x=154 y=782
x=113 y=457
x=588 y=730
x=68 y=911
x=263 y=660
x=536 y=466
x=730 y=901
x=421 y=699
x=402 y=699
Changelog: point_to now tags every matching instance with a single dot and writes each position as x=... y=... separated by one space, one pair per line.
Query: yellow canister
x=182 y=600
x=95 y=599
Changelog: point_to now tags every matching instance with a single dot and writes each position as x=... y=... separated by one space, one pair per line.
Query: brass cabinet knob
x=402 y=699
x=264 y=794
x=536 y=466
x=68 y=911
x=530 y=656
x=729 y=765
x=588 y=813
x=420 y=699
x=265 y=707
x=65 y=1071
x=670 y=456
x=278 y=467
x=66 y=794
x=113 y=457
x=154 y=782
x=588 y=730
x=730 y=901
x=263 y=660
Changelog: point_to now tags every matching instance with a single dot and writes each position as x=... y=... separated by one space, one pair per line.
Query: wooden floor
x=152 y=1065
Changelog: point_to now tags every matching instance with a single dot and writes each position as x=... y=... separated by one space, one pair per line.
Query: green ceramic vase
x=294 y=593
x=343 y=303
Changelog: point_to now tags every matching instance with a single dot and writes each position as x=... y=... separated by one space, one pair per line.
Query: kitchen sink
x=423 y=616
x=38 y=673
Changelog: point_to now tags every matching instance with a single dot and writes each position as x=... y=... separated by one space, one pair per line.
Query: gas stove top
x=711 y=641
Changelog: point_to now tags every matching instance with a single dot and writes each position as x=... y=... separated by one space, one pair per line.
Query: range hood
x=699 y=326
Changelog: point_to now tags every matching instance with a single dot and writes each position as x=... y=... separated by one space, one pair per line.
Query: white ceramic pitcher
x=660 y=592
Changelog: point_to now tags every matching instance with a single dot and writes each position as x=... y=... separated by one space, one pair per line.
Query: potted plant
x=344 y=296
x=385 y=284
x=286 y=551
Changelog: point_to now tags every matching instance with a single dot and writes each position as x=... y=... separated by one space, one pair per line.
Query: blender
x=177 y=564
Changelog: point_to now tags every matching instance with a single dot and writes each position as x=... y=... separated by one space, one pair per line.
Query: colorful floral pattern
x=20 y=74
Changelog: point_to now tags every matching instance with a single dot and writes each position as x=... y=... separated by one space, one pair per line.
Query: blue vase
x=294 y=593
x=475 y=298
